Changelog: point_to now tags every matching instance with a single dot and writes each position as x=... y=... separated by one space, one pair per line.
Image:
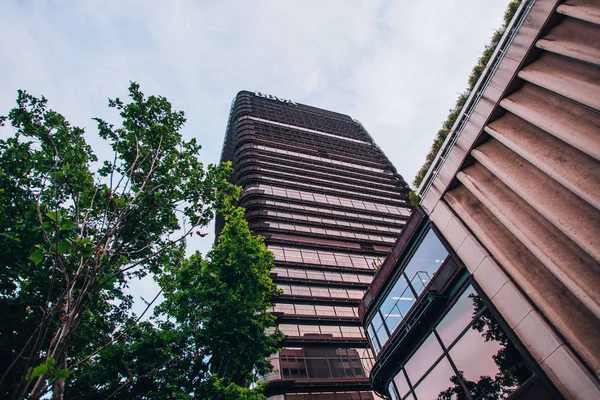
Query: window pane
x=392 y=391
x=379 y=329
x=397 y=304
x=425 y=262
x=438 y=381
x=499 y=369
x=373 y=338
x=424 y=358
x=401 y=383
x=459 y=316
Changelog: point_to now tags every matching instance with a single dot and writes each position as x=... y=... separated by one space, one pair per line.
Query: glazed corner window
x=477 y=355
x=420 y=269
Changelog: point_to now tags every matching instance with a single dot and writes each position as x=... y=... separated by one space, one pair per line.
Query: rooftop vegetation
x=462 y=98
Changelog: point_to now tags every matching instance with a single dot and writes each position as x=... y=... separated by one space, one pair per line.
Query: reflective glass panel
x=487 y=360
x=422 y=360
x=401 y=383
x=373 y=339
x=392 y=391
x=425 y=262
x=460 y=315
x=437 y=383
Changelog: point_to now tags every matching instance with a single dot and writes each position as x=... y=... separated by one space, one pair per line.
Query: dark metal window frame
x=457 y=293
x=416 y=242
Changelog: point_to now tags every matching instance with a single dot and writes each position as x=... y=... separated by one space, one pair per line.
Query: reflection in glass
x=379 y=328
x=373 y=339
x=436 y=381
x=392 y=392
x=457 y=319
x=472 y=343
x=488 y=363
x=401 y=383
x=425 y=262
x=422 y=360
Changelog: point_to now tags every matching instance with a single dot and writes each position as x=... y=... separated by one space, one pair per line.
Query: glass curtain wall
x=329 y=205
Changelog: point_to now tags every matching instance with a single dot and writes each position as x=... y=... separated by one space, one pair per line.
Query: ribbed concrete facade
x=329 y=205
x=516 y=187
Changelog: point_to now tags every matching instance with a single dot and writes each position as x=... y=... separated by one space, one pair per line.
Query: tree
x=72 y=238
x=221 y=303
x=209 y=335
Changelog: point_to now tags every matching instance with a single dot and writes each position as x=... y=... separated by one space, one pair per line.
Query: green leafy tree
x=73 y=237
x=209 y=339
x=220 y=304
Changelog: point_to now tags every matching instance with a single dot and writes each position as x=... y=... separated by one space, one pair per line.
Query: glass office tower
x=330 y=206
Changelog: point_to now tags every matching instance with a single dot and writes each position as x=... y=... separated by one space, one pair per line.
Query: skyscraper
x=330 y=206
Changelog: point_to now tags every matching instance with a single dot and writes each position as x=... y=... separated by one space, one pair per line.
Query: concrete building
x=330 y=206
x=493 y=288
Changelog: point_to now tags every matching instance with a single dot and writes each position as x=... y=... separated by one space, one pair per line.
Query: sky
x=395 y=65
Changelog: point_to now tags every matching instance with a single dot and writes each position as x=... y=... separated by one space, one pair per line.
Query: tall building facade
x=492 y=290
x=330 y=205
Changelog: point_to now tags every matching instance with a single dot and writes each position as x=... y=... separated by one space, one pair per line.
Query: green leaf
x=67 y=226
x=37 y=256
x=84 y=241
x=63 y=247
x=63 y=373
x=54 y=215
x=37 y=371
x=50 y=363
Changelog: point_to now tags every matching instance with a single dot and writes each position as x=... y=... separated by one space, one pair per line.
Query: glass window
x=392 y=391
x=373 y=338
x=379 y=329
x=487 y=362
x=475 y=368
x=425 y=262
x=397 y=304
x=438 y=381
x=401 y=384
x=457 y=319
x=422 y=360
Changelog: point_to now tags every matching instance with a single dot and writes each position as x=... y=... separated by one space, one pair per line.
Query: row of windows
x=332 y=183
x=391 y=196
x=320 y=242
x=321 y=311
x=467 y=356
x=361 y=151
x=321 y=363
x=334 y=174
x=328 y=221
x=411 y=283
x=327 y=231
x=314 y=211
x=314 y=158
x=322 y=275
x=301 y=117
x=300 y=128
x=317 y=291
x=325 y=199
x=256 y=156
x=323 y=257
x=331 y=331
x=340 y=152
